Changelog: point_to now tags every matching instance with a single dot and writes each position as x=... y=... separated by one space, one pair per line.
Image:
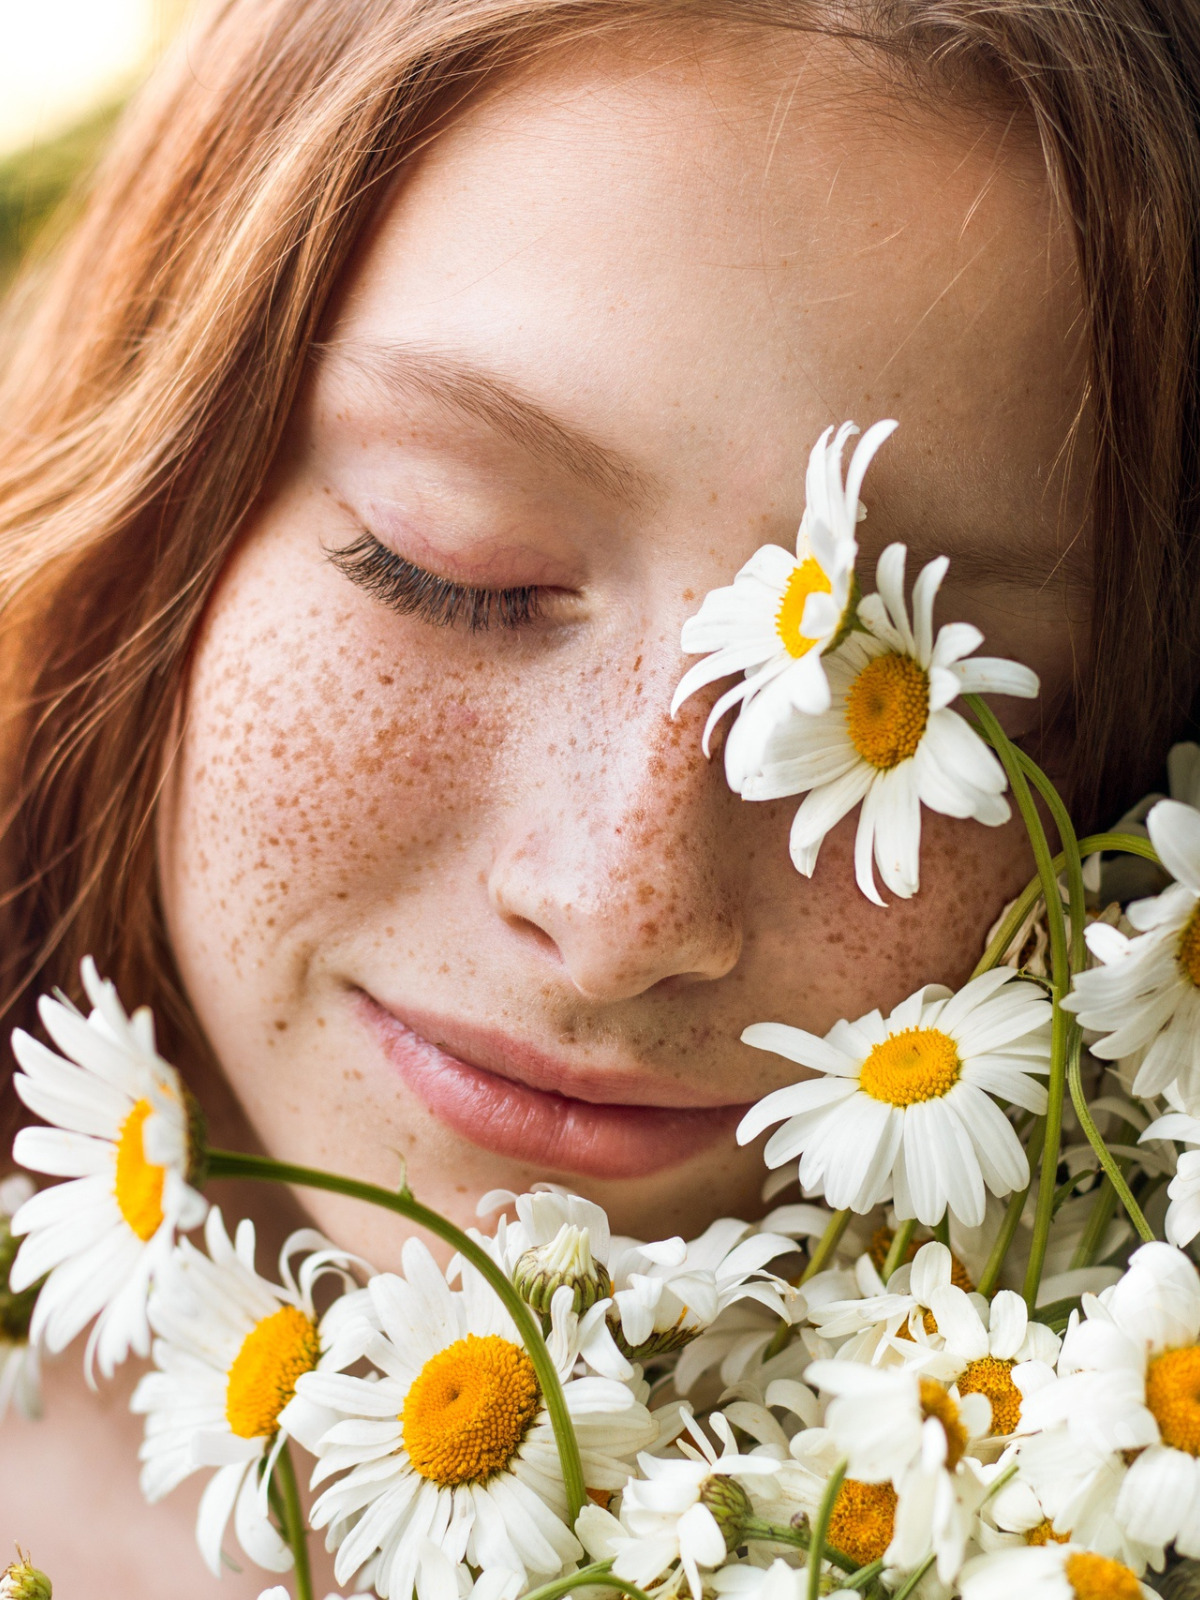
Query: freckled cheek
x=828 y=953
x=319 y=775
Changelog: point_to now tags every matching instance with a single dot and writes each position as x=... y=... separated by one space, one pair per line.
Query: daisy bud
x=566 y=1260
x=730 y=1506
x=23 y=1581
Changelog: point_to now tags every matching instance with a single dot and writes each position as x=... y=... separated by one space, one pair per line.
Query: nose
x=619 y=863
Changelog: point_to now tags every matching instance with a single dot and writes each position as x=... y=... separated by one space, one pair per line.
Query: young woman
x=413 y=371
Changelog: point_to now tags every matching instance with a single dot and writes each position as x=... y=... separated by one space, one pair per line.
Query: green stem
x=898 y=1248
x=1094 y=844
x=232 y=1164
x=864 y=1576
x=1099 y=1216
x=827 y=1244
x=914 y=1578
x=1012 y=1217
x=598 y=1573
x=800 y=1537
x=1071 y=854
x=1112 y=1168
x=293 y=1522
x=1061 y=1024
x=816 y=1549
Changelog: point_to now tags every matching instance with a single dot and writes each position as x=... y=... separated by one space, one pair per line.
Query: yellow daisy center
x=139 y=1183
x=808 y=578
x=915 y=1064
x=1043 y=1533
x=1188 y=953
x=262 y=1378
x=1173 y=1395
x=936 y=1403
x=992 y=1376
x=1094 y=1577
x=468 y=1409
x=863 y=1520
x=887 y=707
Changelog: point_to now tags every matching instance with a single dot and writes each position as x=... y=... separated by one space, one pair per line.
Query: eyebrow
x=408 y=371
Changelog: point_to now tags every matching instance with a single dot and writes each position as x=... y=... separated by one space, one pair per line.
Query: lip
x=518 y=1102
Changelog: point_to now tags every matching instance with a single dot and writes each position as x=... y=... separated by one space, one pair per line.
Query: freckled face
x=467 y=894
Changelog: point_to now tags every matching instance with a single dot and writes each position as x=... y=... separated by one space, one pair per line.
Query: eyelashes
x=413 y=592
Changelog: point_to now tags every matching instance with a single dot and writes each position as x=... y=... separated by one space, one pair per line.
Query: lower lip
x=549 y=1131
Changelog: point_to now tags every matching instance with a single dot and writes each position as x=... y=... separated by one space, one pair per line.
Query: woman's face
x=471 y=898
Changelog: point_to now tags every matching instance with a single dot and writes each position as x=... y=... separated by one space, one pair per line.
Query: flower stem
x=914 y=1578
x=232 y=1164
x=898 y=1248
x=598 y=1573
x=293 y=1522
x=816 y=1549
x=1012 y=1217
x=827 y=1244
x=799 y=1536
x=1104 y=1155
x=1061 y=1025
x=1094 y=844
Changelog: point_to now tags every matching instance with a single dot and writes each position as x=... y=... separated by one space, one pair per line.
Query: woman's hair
x=161 y=347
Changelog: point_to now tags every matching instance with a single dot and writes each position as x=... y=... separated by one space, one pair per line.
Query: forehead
x=703 y=252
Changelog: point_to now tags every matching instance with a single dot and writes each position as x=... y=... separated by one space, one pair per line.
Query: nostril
x=532 y=932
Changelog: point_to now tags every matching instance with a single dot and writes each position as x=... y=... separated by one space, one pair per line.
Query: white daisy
x=20 y=1367
x=1050 y=1572
x=889 y=738
x=688 y=1508
x=783 y=612
x=123 y=1131
x=862 y=1522
x=1064 y=1493
x=1182 y=1222
x=903 y=1106
x=894 y=1425
x=742 y=1581
x=1128 y=1386
x=884 y=1318
x=1144 y=998
x=229 y=1347
x=661 y=1295
x=978 y=1345
x=450 y=1447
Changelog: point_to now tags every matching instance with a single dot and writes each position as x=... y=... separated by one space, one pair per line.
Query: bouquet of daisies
x=961 y=1358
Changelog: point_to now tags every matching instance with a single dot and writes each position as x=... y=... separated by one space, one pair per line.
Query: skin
x=697 y=256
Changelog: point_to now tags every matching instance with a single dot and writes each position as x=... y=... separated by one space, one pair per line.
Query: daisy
x=874 y=1326
x=21 y=1580
x=1182 y=1222
x=1050 y=1572
x=903 y=1106
x=1144 y=997
x=659 y=1296
x=1064 y=1493
x=229 y=1347
x=889 y=738
x=897 y=1426
x=1128 y=1386
x=783 y=612
x=862 y=1523
x=980 y=1342
x=449 y=1448
x=123 y=1129
x=689 y=1509
x=20 y=1376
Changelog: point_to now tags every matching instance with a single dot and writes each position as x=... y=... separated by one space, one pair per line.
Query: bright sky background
x=62 y=58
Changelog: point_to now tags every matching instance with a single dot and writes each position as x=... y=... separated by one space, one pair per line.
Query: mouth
x=516 y=1102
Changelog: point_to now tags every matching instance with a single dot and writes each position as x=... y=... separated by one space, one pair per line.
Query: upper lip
x=618 y=1083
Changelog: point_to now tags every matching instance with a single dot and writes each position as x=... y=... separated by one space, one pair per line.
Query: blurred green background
x=35 y=181
x=66 y=67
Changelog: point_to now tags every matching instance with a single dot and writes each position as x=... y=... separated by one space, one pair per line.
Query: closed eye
x=413 y=592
